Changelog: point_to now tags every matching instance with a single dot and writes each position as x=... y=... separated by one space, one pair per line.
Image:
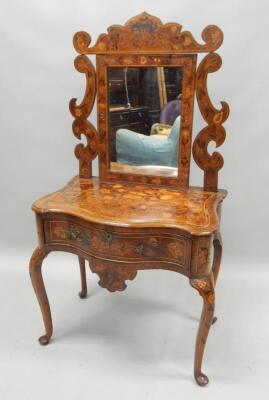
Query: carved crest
x=146 y=32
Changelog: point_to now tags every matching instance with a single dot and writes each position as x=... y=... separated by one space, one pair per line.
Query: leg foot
x=214 y=320
x=205 y=288
x=44 y=340
x=83 y=293
x=38 y=284
x=202 y=379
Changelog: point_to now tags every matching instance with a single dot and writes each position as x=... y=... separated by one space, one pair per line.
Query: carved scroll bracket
x=113 y=275
x=81 y=126
x=37 y=257
x=214 y=130
x=205 y=287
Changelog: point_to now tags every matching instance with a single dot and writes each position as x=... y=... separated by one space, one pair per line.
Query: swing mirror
x=145 y=108
x=144 y=118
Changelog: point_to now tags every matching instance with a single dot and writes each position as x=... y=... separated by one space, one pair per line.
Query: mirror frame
x=188 y=62
x=142 y=37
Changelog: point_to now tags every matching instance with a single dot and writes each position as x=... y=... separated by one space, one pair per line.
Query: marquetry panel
x=214 y=131
x=81 y=125
x=147 y=33
x=188 y=62
x=145 y=40
x=119 y=246
x=137 y=206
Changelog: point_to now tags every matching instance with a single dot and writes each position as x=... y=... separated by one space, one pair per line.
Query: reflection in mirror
x=144 y=119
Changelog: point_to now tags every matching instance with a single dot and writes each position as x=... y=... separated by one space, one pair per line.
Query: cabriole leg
x=83 y=292
x=38 y=284
x=206 y=289
x=217 y=243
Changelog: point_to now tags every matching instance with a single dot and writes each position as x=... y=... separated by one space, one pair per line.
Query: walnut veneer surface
x=123 y=222
x=192 y=210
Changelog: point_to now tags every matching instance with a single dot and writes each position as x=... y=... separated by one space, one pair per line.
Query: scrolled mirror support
x=214 y=131
x=81 y=126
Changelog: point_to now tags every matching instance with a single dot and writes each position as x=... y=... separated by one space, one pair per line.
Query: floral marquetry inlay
x=146 y=32
x=205 y=287
x=113 y=275
x=127 y=220
x=214 y=131
x=188 y=63
x=72 y=233
x=136 y=205
x=81 y=126
x=145 y=41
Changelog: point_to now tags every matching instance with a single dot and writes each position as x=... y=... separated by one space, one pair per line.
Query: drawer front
x=136 y=116
x=120 y=246
x=119 y=118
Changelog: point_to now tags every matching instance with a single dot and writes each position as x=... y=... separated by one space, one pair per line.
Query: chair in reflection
x=133 y=148
x=170 y=112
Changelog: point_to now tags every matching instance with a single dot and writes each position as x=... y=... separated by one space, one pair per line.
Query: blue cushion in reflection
x=136 y=149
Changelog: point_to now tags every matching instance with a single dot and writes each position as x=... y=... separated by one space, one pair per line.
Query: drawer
x=118 y=245
x=116 y=85
x=119 y=118
x=136 y=116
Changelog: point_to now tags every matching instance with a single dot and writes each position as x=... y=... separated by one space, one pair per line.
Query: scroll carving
x=214 y=130
x=81 y=126
x=205 y=287
x=146 y=32
x=37 y=257
x=113 y=275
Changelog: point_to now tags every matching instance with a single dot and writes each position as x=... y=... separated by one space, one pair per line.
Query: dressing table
x=134 y=217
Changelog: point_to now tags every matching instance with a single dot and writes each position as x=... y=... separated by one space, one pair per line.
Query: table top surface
x=135 y=205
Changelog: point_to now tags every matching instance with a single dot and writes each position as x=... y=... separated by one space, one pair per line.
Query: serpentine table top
x=136 y=205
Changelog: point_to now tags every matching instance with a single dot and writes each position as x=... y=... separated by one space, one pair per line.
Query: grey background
x=38 y=79
x=119 y=344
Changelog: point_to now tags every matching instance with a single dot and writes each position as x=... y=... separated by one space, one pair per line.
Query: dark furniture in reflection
x=146 y=89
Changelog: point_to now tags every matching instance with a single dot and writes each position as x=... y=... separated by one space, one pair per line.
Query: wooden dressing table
x=132 y=218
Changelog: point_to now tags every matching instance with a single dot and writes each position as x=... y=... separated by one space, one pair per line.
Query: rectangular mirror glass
x=144 y=116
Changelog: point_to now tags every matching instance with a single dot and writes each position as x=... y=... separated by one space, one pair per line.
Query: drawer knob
x=75 y=234
x=139 y=249
x=109 y=237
